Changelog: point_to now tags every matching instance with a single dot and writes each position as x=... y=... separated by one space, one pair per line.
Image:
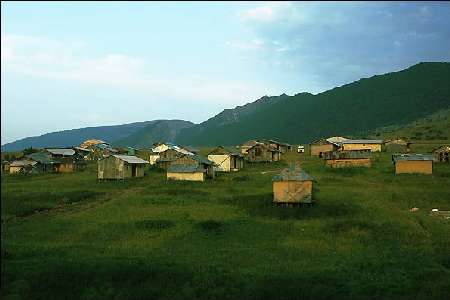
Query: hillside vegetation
x=359 y=107
x=68 y=236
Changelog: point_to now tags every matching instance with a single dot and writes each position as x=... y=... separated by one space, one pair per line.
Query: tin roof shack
x=44 y=162
x=226 y=159
x=319 y=147
x=186 y=172
x=196 y=160
x=442 y=154
x=263 y=153
x=397 y=146
x=348 y=159
x=283 y=147
x=65 y=160
x=413 y=163
x=373 y=145
x=22 y=166
x=120 y=167
x=247 y=145
x=292 y=186
x=167 y=156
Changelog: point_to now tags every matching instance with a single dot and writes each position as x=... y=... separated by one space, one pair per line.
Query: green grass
x=68 y=236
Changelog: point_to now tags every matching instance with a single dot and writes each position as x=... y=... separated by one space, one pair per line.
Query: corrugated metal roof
x=362 y=142
x=292 y=175
x=202 y=159
x=22 y=163
x=347 y=154
x=182 y=168
x=40 y=157
x=412 y=157
x=82 y=149
x=60 y=151
x=131 y=159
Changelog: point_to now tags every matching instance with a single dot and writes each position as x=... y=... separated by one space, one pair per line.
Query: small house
x=442 y=154
x=413 y=163
x=348 y=159
x=66 y=159
x=226 y=159
x=397 y=146
x=167 y=156
x=321 y=146
x=292 y=186
x=186 y=172
x=263 y=153
x=121 y=167
x=21 y=166
x=372 y=145
x=247 y=145
x=283 y=147
x=196 y=160
x=44 y=162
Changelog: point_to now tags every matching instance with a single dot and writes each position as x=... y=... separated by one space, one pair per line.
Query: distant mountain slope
x=162 y=130
x=433 y=127
x=382 y=100
x=67 y=138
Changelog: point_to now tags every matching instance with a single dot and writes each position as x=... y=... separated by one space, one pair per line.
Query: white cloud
x=269 y=12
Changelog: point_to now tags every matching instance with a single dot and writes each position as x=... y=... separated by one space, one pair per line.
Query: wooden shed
x=247 y=145
x=292 y=186
x=442 y=154
x=348 y=159
x=65 y=159
x=263 y=153
x=226 y=159
x=45 y=163
x=413 y=163
x=186 y=172
x=196 y=160
x=372 y=145
x=283 y=147
x=121 y=167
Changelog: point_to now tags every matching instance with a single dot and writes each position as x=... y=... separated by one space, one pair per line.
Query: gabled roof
x=412 y=157
x=182 y=168
x=60 y=151
x=250 y=143
x=41 y=157
x=289 y=174
x=362 y=142
x=267 y=147
x=131 y=159
x=279 y=143
x=227 y=150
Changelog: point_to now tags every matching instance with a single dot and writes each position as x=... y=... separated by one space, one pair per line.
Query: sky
x=68 y=65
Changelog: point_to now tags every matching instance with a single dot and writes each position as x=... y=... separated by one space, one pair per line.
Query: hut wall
x=348 y=163
x=65 y=168
x=263 y=155
x=197 y=176
x=316 y=150
x=412 y=166
x=223 y=162
x=13 y=170
x=292 y=191
x=111 y=168
x=372 y=147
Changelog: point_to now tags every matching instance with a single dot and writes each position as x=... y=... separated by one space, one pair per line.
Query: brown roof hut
x=247 y=145
x=66 y=159
x=292 y=186
x=263 y=153
x=442 y=154
x=349 y=158
x=226 y=159
x=121 y=167
x=321 y=146
x=413 y=163
x=196 y=160
x=283 y=147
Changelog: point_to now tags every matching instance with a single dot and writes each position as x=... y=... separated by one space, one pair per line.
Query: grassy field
x=68 y=236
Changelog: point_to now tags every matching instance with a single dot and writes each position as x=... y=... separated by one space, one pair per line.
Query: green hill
x=391 y=99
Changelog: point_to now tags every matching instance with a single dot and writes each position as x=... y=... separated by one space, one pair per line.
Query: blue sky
x=69 y=65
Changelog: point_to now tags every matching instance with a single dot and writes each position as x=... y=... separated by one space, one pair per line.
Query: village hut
x=167 y=156
x=22 y=166
x=321 y=146
x=121 y=167
x=397 y=146
x=186 y=172
x=45 y=163
x=442 y=154
x=66 y=159
x=247 y=145
x=413 y=163
x=348 y=158
x=226 y=159
x=292 y=186
x=196 y=160
x=283 y=147
x=263 y=153
x=373 y=145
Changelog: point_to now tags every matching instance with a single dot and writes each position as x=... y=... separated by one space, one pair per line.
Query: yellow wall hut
x=413 y=163
x=292 y=186
x=348 y=159
x=226 y=160
x=121 y=167
x=373 y=145
x=186 y=172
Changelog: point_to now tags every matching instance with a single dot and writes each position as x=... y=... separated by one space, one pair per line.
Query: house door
x=133 y=170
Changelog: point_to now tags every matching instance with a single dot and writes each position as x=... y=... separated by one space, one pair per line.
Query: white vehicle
x=301 y=149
